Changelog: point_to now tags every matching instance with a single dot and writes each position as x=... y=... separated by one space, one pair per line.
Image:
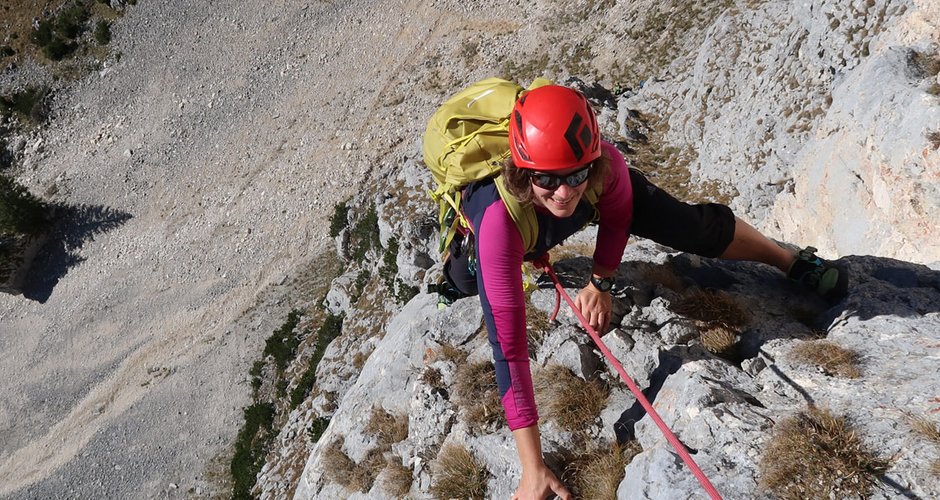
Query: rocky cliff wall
x=819 y=116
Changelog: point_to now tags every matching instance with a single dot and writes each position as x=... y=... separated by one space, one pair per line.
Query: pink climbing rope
x=673 y=440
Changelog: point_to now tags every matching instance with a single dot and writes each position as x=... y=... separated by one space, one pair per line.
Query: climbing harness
x=544 y=263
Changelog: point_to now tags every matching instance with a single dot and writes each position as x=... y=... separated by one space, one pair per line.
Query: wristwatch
x=602 y=284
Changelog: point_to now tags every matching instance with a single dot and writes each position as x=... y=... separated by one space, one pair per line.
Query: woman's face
x=562 y=200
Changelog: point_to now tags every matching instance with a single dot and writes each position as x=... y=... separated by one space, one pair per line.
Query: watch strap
x=602 y=284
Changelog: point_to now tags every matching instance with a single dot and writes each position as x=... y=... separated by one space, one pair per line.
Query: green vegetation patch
x=331 y=328
x=365 y=235
x=282 y=344
x=251 y=446
x=316 y=428
x=27 y=105
x=57 y=36
x=402 y=291
x=103 y=32
x=340 y=219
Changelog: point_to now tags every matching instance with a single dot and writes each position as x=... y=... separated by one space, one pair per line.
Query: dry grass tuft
x=572 y=250
x=597 y=474
x=569 y=400
x=925 y=427
x=817 y=455
x=341 y=469
x=478 y=395
x=926 y=64
x=398 y=480
x=433 y=377
x=388 y=429
x=719 y=318
x=538 y=325
x=451 y=354
x=719 y=340
x=934 y=139
x=457 y=474
x=833 y=359
x=712 y=306
x=663 y=274
x=360 y=358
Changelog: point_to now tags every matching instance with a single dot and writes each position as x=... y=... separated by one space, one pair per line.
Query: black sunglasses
x=551 y=182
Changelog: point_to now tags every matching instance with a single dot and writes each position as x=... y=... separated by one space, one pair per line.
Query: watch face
x=602 y=284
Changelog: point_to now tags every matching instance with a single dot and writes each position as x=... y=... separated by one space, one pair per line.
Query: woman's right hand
x=539 y=482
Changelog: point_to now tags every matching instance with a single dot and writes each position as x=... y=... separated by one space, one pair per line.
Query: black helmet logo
x=578 y=131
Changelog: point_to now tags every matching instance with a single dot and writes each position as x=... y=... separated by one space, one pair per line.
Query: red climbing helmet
x=553 y=128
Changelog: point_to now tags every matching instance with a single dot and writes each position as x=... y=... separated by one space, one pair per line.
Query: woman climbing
x=560 y=166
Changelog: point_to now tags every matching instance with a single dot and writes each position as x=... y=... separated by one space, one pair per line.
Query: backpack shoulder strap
x=522 y=215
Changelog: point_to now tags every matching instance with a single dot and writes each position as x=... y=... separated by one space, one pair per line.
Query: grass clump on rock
x=598 y=473
x=343 y=470
x=398 y=479
x=831 y=358
x=457 y=473
x=934 y=139
x=478 y=395
x=572 y=402
x=719 y=318
x=818 y=455
x=926 y=428
x=712 y=306
x=388 y=429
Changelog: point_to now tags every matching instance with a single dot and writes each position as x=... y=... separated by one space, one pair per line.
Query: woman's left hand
x=596 y=307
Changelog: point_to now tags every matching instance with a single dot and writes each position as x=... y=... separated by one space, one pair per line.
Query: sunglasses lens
x=578 y=178
x=546 y=181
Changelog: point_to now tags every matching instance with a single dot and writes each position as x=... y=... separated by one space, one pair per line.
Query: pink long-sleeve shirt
x=500 y=254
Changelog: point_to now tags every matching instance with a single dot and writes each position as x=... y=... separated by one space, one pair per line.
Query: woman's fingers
x=561 y=491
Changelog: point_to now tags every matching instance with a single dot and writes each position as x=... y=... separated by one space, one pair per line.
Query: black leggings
x=704 y=229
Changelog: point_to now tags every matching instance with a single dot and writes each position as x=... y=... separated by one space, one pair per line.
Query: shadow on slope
x=77 y=224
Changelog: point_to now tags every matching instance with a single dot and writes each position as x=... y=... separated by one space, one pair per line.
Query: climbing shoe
x=823 y=277
x=446 y=293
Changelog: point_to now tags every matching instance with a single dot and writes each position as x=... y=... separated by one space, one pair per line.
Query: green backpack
x=467 y=139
